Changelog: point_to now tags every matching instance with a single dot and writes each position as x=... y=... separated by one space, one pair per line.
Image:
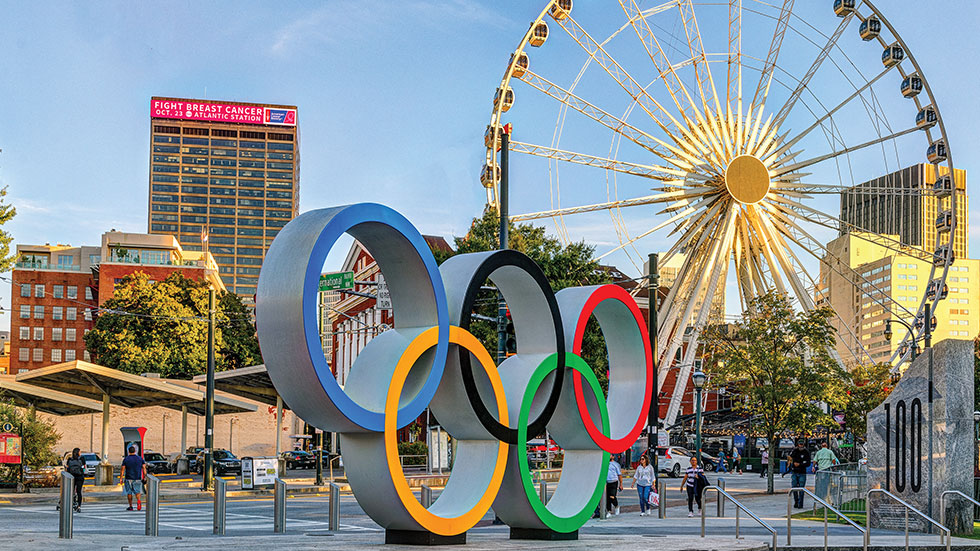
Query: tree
x=870 y=385
x=162 y=328
x=7 y=213
x=563 y=265
x=779 y=362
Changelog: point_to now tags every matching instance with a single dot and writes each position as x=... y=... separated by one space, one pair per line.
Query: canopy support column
x=105 y=427
x=183 y=428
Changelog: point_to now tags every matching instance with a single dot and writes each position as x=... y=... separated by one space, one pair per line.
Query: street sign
x=336 y=281
x=7 y=427
x=384 y=297
x=10 y=448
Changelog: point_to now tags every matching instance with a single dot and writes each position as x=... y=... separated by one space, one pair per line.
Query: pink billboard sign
x=220 y=112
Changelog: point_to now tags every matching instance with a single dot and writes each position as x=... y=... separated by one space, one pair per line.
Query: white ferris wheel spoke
x=765 y=78
x=734 y=89
x=805 y=81
x=653 y=172
x=810 y=162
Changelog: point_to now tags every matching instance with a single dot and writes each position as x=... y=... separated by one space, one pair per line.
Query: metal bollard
x=543 y=492
x=65 y=515
x=602 y=505
x=663 y=498
x=220 y=505
x=721 y=498
x=426 y=496
x=279 y=507
x=333 y=522
x=152 y=505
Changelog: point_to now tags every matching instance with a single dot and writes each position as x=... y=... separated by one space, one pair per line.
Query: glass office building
x=224 y=177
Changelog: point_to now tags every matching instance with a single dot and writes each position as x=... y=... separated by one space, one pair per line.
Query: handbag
x=654 y=499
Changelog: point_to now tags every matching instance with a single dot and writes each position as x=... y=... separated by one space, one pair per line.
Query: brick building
x=57 y=289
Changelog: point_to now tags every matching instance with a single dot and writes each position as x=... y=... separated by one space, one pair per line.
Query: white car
x=673 y=460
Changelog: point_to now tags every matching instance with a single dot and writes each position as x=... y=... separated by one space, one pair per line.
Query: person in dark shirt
x=75 y=466
x=133 y=472
x=799 y=462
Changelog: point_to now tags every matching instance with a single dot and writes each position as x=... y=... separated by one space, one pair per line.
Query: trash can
x=183 y=465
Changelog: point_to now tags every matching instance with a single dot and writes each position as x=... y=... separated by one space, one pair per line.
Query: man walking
x=799 y=462
x=133 y=473
x=825 y=458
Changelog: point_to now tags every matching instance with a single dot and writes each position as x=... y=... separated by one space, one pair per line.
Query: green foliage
x=39 y=436
x=7 y=213
x=162 y=327
x=564 y=266
x=417 y=448
x=779 y=362
x=870 y=385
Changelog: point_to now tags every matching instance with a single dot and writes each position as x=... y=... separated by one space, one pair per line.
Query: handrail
x=942 y=503
x=826 y=507
x=738 y=506
x=330 y=465
x=867 y=507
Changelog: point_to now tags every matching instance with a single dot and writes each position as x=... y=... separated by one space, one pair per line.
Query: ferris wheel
x=730 y=136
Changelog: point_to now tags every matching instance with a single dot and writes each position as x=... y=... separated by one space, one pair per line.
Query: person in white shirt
x=643 y=480
x=692 y=482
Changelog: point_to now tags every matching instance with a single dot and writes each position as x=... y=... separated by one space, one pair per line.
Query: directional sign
x=384 y=297
x=7 y=427
x=336 y=281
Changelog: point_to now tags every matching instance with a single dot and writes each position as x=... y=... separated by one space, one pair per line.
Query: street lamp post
x=926 y=335
x=698 y=377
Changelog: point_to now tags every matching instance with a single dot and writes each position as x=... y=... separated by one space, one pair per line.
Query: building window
x=38 y=291
x=70 y=334
x=88 y=293
x=70 y=355
x=24 y=355
x=25 y=289
x=70 y=313
x=25 y=311
x=59 y=291
x=39 y=312
x=39 y=333
x=56 y=333
x=56 y=355
x=65 y=261
x=88 y=314
x=72 y=292
x=38 y=355
x=86 y=356
x=25 y=332
x=56 y=312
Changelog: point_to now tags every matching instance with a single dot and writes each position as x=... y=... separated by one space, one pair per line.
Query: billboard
x=206 y=111
x=10 y=448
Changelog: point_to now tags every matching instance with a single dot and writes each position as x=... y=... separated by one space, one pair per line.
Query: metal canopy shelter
x=46 y=400
x=111 y=386
x=253 y=383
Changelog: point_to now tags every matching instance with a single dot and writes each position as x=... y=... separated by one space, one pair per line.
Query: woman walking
x=643 y=480
x=691 y=478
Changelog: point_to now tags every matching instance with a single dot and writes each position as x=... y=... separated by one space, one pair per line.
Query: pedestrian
x=736 y=461
x=133 y=472
x=643 y=480
x=800 y=461
x=614 y=483
x=75 y=466
x=825 y=458
x=722 y=467
x=765 y=463
x=692 y=479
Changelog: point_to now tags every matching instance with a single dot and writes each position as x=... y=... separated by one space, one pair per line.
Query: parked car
x=299 y=460
x=156 y=463
x=224 y=462
x=91 y=460
x=673 y=460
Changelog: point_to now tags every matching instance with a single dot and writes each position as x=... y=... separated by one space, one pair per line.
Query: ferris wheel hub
x=747 y=179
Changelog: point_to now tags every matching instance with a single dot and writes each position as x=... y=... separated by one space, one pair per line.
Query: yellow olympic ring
x=445 y=526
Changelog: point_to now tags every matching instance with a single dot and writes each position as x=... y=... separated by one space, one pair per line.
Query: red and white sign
x=10 y=448
x=221 y=112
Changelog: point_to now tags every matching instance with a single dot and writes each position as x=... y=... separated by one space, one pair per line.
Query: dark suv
x=299 y=460
x=224 y=462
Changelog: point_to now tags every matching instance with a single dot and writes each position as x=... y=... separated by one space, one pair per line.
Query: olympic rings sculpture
x=427 y=360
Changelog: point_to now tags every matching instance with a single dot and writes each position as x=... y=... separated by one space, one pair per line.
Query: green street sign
x=336 y=281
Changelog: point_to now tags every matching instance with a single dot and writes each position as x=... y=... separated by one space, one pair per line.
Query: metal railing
x=900 y=501
x=330 y=464
x=826 y=526
x=942 y=504
x=722 y=494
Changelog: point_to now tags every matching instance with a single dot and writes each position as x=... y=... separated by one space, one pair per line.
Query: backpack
x=76 y=467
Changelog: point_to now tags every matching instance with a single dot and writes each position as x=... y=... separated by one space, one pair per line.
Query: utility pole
x=653 y=421
x=209 y=400
x=504 y=239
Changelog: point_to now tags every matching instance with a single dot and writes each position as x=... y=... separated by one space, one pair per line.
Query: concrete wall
x=253 y=434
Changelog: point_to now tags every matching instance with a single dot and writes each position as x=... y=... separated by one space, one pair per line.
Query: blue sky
x=393 y=99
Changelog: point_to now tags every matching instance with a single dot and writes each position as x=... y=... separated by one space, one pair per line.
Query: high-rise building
x=57 y=290
x=224 y=176
x=902 y=204
x=867 y=284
